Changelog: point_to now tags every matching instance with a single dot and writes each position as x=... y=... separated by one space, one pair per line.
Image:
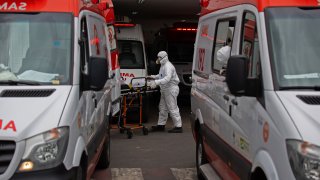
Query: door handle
x=226 y=97
x=94 y=99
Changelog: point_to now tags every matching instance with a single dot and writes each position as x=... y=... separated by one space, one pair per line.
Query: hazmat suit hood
x=162 y=57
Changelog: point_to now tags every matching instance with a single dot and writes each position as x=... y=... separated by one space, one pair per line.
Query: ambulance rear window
x=131 y=54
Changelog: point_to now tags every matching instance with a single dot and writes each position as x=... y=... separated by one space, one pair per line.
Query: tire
x=259 y=175
x=200 y=157
x=81 y=172
x=129 y=134
x=104 y=160
x=145 y=131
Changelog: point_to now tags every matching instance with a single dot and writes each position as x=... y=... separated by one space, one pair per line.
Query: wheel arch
x=263 y=165
x=197 y=123
x=80 y=152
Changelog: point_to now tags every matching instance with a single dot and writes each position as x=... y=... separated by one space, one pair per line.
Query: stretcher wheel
x=129 y=134
x=145 y=131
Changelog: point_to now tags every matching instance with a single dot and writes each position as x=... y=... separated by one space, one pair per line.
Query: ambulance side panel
x=114 y=67
x=240 y=134
x=90 y=113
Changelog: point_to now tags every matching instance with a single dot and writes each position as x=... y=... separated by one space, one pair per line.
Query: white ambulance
x=255 y=96
x=132 y=53
x=133 y=62
x=56 y=83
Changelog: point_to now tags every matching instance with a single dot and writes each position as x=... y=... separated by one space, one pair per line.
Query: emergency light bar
x=186 y=29
x=204 y=3
x=124 y=25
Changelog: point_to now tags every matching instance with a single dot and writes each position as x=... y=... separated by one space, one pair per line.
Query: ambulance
x=58 y=81
x=256 y=115
x=133 y=62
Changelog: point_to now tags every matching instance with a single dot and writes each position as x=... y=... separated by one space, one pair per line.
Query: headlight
x=45 y=150
x=304 y=159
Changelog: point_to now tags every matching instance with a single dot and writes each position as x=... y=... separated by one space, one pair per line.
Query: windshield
x=131 y=54
x=294 y=38
x=180 y=51
x=35 y=48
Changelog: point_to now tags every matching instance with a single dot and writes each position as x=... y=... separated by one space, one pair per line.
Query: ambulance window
x=84 y=47
x=222 y=44
x=250 y=44
x=112 y=37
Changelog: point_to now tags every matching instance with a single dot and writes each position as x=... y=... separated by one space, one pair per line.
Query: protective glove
x=152 y=84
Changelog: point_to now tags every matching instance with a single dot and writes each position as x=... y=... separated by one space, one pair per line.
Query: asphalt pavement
x=156 y=156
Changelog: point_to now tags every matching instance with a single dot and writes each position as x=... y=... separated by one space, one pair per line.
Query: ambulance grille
x=313 y=100
x=27 y=93
x=7 y=149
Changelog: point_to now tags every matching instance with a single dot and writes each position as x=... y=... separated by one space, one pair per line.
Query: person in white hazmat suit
x=168 y=81
x=223 y=53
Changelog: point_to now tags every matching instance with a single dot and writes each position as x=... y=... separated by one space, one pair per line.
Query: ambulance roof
x=73 y=6
x=213 y=5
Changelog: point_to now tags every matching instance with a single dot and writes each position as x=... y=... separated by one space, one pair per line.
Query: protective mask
x=158 y=61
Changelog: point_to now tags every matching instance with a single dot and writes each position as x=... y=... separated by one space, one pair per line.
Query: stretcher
x=132 y=97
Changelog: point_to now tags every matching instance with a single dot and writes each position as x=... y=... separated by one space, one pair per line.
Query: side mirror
x=237 y=78
x=98 y=73
x=236 y=74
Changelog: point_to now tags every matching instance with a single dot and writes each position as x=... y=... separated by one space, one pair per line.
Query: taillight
x=186 y=29
x=124 y=25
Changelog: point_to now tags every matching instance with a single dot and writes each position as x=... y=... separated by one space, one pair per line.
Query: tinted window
x=222 y=44
x=131 y=54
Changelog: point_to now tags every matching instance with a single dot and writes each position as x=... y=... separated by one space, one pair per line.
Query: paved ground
x=157 y=156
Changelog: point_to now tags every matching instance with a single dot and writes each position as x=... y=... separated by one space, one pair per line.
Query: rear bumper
x=57 y=173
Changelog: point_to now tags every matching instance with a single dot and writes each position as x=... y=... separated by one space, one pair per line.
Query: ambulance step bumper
x=59 y=172
x=208 y=172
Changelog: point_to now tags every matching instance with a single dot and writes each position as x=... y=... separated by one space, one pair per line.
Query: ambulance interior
x=44 y=55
